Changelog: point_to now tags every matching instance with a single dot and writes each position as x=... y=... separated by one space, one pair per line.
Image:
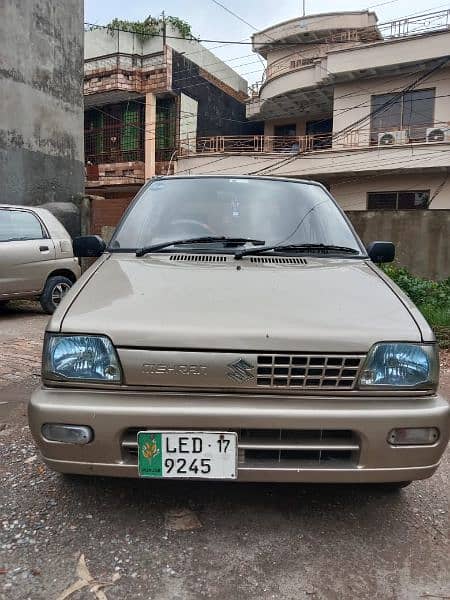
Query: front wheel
x=54 y=291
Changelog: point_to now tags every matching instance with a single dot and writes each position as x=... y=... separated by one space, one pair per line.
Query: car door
x=25 y=249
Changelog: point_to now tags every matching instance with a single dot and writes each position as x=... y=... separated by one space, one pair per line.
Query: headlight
x=80 y=358
x=401 y=365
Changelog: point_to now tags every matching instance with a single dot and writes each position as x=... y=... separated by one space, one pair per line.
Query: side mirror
x=87 y=246
x=381 y=252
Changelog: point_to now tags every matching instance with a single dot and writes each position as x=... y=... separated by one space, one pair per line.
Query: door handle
x=43 y=248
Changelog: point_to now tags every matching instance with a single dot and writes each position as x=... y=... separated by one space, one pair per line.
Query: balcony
x=356 y=151
x=260 y=144
x=354 y=139
x=114 y=144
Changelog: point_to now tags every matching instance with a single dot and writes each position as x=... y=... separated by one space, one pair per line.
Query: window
x=114 y=133
x=165 y=129
x=413 y=112
x=398 y=200
x=18 y=225
x=285 y=130
x=322 y=131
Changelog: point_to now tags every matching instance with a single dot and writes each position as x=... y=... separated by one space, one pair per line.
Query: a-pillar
x=150 y=135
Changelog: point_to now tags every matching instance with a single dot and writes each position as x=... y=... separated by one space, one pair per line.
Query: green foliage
x=184 y=28
x=150 y=27
x=431 y=297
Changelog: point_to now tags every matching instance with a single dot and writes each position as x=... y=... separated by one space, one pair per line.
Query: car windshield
x=276 y=211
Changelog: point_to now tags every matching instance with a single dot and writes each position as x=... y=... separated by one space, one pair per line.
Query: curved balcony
x=315 y=27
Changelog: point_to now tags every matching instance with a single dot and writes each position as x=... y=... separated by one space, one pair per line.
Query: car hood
x=330 y=305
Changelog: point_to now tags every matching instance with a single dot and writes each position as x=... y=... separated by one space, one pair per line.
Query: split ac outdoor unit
x=438 y=134
x=390 y=138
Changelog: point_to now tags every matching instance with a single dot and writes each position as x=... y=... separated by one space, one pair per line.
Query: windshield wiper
x=325 y=248
x=228 y=241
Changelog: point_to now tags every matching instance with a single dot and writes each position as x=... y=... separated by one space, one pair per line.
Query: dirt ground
x=131 y=539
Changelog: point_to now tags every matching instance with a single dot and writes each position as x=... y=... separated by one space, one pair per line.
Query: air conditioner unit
x=391 y=138
x=438 y=134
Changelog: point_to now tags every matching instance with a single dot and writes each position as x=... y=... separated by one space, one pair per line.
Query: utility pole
x=304 y=8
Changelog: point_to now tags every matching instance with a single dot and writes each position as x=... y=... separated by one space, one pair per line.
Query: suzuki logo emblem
x=240 y=371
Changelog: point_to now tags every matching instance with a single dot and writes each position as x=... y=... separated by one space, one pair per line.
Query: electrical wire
x=386 y=166
x=237 y=42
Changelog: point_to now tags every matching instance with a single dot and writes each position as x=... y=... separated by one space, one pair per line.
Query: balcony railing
x=358 y=138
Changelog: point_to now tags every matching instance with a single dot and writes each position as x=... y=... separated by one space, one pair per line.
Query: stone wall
x=421 y=237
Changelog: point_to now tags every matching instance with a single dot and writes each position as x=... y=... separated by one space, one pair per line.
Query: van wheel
x=54 y=291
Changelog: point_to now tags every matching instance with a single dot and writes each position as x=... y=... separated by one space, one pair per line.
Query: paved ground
x=173 y=541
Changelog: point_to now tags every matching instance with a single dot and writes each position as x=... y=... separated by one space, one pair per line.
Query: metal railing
x=417 y=24
x=358 y=138
x=114 y=143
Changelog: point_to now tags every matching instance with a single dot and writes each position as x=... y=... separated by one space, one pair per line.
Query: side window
x=17 y=225
x=398 y=200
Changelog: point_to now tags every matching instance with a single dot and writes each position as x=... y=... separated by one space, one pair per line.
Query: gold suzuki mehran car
x=236 y=328
x=36 y=257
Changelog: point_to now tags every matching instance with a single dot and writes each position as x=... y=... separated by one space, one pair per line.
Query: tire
x=54 y=290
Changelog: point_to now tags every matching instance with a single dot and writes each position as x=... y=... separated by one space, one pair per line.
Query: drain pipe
x=170 y=161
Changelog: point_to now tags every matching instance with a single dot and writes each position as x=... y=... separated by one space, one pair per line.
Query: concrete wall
x=320 y=24
x=420 y=236
x=100 y=42
x=41 y=102
x=352 y=193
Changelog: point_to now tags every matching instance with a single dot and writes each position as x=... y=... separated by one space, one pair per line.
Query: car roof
x=20 y=206
x=233 y=176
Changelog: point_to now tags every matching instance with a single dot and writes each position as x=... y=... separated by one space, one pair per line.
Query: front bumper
x=114 y=414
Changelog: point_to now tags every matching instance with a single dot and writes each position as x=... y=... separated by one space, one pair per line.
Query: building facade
x=362 y=107
x=145 y=98
x=41 y=116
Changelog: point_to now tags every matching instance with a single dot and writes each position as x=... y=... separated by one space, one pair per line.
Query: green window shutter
x=98 y=126
x=165 y=125
x=130 y=130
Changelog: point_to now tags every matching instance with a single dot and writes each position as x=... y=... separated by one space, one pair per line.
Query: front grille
x=279 y=448
x=330 y=371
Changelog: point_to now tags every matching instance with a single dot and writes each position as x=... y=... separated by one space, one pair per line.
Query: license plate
x=187 y=454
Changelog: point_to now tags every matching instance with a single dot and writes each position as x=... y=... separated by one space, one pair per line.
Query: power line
x=240 y=19
x=308 y=171
x=250 y=43
x=234 y=14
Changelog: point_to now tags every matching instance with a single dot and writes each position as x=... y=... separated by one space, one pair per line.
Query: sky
x=209 y=21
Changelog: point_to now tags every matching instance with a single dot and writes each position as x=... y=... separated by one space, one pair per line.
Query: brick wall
x=118 y=174
x=107 y=212
x=141 y=80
